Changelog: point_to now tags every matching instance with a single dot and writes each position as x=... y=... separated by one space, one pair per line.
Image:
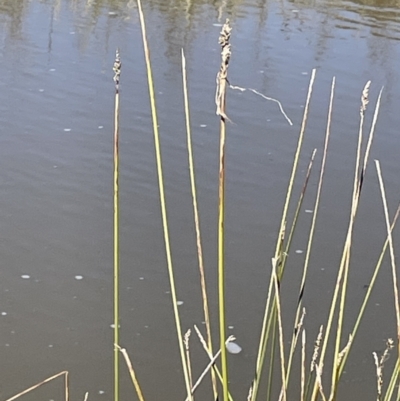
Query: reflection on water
x=183 y=19
x=56 y=113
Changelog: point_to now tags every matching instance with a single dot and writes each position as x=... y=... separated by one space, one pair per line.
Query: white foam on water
x=230 y=327
x=299 y=251
x=233 y=348
x=101 y=392
x=25 y=276
x=78 y=277
x=309 y=211
x=179 y=303
x=67 y=129
x=3 y=313
x=203 y=125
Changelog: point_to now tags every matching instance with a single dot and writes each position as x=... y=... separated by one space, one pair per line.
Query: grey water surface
x=56 y=206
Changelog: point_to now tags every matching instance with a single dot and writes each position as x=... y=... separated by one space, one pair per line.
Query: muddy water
x=56 y=111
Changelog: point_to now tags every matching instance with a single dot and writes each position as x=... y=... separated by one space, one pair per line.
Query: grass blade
x=162 y=196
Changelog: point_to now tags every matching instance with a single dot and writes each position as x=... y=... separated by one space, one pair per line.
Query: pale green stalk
x=392 y=255
x=220 y=99
x=280 y=328
x=358 y=182
x=117 y=73
x=378 y=264
x=303 y=365
x=272 y=315
x=392 y=382
x=272 y=347
x=265 y=326
x=221 y=260
x=280 y=274
x=313 y=224
x=342 y=267
x=347 y=250
x=162 y=198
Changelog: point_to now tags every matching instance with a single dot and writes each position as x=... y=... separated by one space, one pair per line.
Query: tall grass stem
x=266 y=325
x=392 y=255
x=220 y=100
x=197 y=220
x=117 y=74
x=162 y=197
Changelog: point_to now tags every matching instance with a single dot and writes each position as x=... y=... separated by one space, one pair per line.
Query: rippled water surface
x=56 y=218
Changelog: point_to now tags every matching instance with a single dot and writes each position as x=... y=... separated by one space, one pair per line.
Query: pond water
x=56 y=218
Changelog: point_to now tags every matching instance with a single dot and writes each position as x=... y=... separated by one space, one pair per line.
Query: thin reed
x=220 y=100
x=117 y=75
x=197 y=221
x=162 y=198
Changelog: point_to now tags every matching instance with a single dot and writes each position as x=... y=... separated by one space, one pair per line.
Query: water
x=56 y=111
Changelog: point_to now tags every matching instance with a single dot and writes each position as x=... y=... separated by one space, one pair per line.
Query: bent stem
x=132 y=373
